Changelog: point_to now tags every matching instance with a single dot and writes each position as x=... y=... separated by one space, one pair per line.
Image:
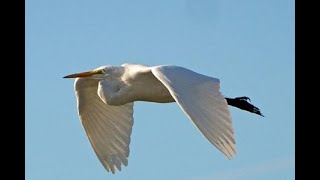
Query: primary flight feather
x=105 y=98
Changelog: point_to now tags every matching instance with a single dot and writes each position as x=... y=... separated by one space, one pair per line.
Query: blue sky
x=248 y=45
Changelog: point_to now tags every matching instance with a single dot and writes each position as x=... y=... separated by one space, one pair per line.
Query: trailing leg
x=242 y=103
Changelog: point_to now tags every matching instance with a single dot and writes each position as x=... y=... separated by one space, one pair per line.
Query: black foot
x=242 y=103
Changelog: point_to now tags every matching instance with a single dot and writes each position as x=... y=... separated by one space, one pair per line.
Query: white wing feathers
x=108 y=127
x=200 y=98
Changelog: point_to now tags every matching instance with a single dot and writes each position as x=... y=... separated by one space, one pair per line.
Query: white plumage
x=108 y=127
x=105 y=105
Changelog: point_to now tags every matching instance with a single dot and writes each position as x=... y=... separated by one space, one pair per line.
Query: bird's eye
x=100 y=71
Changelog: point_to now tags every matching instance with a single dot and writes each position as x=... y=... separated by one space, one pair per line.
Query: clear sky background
x=248 y=45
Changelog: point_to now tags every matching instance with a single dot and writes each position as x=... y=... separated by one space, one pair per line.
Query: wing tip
x=114 y=168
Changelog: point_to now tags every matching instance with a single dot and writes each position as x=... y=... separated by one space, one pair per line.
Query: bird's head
x=102 y=72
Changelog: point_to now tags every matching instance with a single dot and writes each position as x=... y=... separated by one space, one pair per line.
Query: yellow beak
x=84 y=74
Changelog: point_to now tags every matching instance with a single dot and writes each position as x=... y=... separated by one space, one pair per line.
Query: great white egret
x=106 y=95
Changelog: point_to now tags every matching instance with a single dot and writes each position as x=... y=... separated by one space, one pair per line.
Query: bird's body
x=105 y=105
x=137 y=83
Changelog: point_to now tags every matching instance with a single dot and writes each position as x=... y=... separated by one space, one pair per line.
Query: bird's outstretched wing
x=108 y=127
x=200 y=98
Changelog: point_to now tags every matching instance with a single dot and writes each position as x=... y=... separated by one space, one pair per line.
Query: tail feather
x=242 y=103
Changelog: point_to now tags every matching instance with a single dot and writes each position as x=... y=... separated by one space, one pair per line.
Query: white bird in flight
x=105 y=98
